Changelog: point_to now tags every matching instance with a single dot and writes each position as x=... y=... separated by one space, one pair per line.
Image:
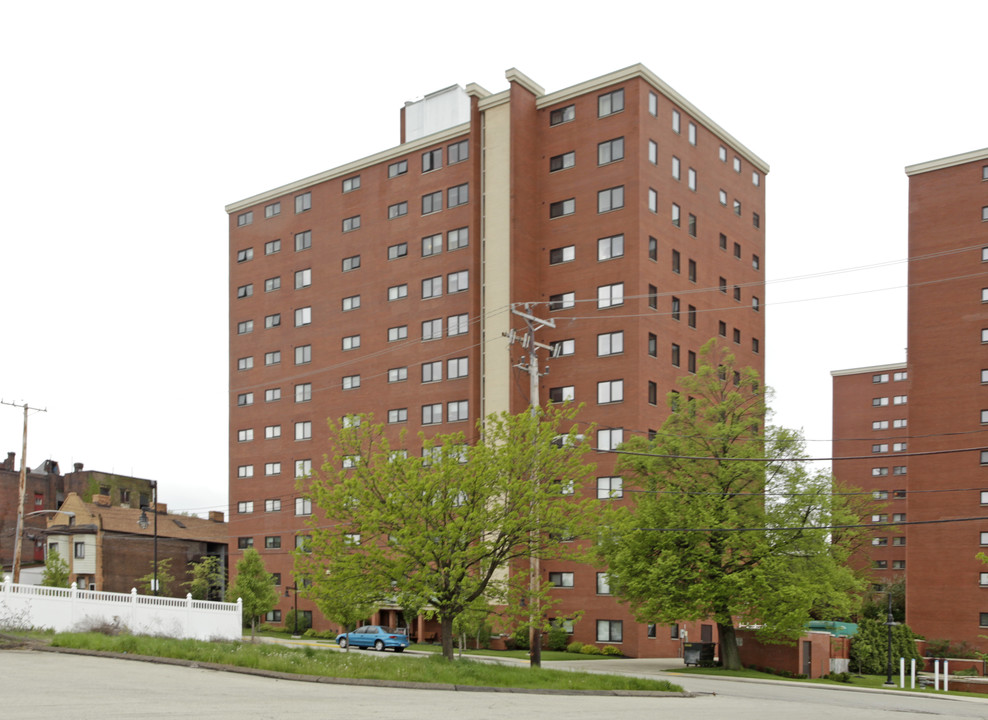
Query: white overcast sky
x=126 y=127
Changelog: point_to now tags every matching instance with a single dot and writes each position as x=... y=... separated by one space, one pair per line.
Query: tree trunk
x=730 y=658
x=446 y=629
x=253 y=623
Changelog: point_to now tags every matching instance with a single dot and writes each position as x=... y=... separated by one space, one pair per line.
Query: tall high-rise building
x=614 y=207
x=934 y=443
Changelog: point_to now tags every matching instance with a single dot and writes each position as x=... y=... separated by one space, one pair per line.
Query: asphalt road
x=41 y=686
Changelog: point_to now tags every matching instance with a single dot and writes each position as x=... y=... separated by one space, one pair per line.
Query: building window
x=562 y=255
x=245 y=255
x=456 y=239
x=610 y=247
x=398 y=415
x=610 y=103
x=675 y=308
x=432 y=371
x=303 y=354
x=880 y=448
x=457 y=368
x=898 y=564
x=272 y=358
x=303 y=202
x=691 y=179
x=245 y=291
x=609 y=631
x=432 y=414
x=898 y=541
x=272 y=395
x=653 y=344
x=561 y=301
x=900 y=399
x=457 y=152
x=395 y=292
x=303 y=241
x=653 y=297
x=691 y=316
x=272 y=210
x=675 y=167
x=653 y=104
x=756 y=220
x=675 y=355
x=245 y=399
x=303 y=392
x=562 y=115
x=245 y=542
x=610 y=488
x=303 y=506
x=610 y=199
x=675 y=121
x=692 y=271
x=879 y=471
x=432 y=245
x=351 y=342
x=272 y=284
x=397 y=210
x=675 y=214
x=245 y=507
x=245 y=471
x=692 y=133
x=898 y=494
x=352 y=183
x=245 y=435
x=899 y=470
x=399 y=374
x=303 y=316
x=351 y=263
x=691 y=362
x=984 y=214
x=880 y=541
x=610 y=151
x=880 y=425
x=603 y=585
x=351 y=382
x=755 y=304
x=351 y=223
x=722 y=196
x=432 y=287
x=458 y=410
x=457 y=324
x=610 y=391
x=303 y=430
x=351 y=303
x=399 y=332
x=245 y=363
x=653 y=200
x=458 y=195
x=737 y=207
x=562 y=394
x=397 y=168
x=458 y=281
x=245 y=218
x=653 y=152
x=610 y=295
x=432 y=160
x=397 y=251
x=433 y=202
x=675 y=261
x=561 y=348
x=610 y=438
x=561 y=579
x=653 y=249
x=561 y=208
x=722 y=328
x=303 y=278
x=737 y=336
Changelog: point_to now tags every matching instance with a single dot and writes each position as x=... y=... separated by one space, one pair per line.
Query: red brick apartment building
x=944 y=444
x=615 y=207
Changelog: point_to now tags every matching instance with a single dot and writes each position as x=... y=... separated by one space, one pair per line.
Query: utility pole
x=532 y=367
x=21 y=491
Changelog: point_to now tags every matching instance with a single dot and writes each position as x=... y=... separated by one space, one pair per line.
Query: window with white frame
x=245 y=507
x=900 y=399
x=610 y=631
x=303 y=506
x=610 y=391
x=610 y=488
x=273 y=505
x=350 y=382
x=609 y=438
x=879 y=402
x=303 y=316
x=272 y=468
x=245 y=435
x=691 y=179
x=675 y=215
x=653 y=200
x=610 y=295
x=303 y=468
x=432 y=329
x=880 y=448
x=675 y=121
x=899 y=447
x=457 y=368
x=611 y=343
x=303 y=430
x=245 y=471
x=245 y=363
x=610 y=199
x=272 y=432
x=879 y=424
x=610 y=247
x=272 y=210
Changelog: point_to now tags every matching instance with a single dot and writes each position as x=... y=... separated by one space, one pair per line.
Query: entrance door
x=807 y=658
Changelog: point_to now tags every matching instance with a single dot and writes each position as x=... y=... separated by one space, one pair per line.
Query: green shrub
x=304 y=623
x=574 y=647
x=966 y=672
x=869 y=648
x=591 y=650
x=520 y=638
x=610 y=650
x=558 y=637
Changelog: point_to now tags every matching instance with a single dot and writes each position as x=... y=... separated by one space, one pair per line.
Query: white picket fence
x=71 y=609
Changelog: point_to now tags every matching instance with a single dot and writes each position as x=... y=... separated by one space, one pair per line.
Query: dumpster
x=700 y=654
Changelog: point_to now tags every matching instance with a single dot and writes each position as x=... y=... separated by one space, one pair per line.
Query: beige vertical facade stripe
x=496 y=259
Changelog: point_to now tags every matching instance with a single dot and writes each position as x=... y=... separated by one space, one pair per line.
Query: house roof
x=125 y=520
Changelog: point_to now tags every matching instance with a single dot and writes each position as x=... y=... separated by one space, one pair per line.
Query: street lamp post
x=889 y=623
x=143 y=522
x=294 y=588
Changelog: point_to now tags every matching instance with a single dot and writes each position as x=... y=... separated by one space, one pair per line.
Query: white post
x=912 y=673
x=133 y=609
x=73 y=594
x=936 y=674
x=902 y=672
x=188 y=616
x=946 y=674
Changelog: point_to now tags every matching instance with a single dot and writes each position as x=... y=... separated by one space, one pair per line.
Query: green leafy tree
x=704 y=540
x=440 y=531
x=869 y=647
x=165 y=578
x=56 y=572
x=207 y=578
x=875 y=605
x=344 y=596
x=255 y=586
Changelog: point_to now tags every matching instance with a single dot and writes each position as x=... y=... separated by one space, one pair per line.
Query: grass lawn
x=519 y=654
x=309 y=661
x=862 y=681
